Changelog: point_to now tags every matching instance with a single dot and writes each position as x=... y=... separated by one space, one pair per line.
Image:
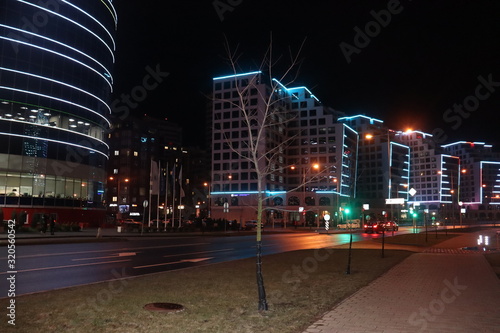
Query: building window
x=293 y=201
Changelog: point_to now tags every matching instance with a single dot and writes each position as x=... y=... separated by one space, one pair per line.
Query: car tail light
x=366 y=226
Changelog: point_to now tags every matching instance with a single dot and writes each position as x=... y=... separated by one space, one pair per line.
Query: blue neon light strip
x=464 y=142
x=295 y=88
x=56 y=99
x=361 y=116
x=273 y=193
x=61 y=55
x=236 y=75
x=58 y=82
x=56 y=141
x=74 y=22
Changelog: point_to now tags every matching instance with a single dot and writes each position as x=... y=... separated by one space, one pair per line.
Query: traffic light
x=415 y=214
x=347 y=210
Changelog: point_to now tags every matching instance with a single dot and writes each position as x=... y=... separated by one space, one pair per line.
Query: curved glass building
x=56 y=60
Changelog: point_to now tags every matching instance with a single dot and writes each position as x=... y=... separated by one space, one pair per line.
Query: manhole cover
x=164 y=307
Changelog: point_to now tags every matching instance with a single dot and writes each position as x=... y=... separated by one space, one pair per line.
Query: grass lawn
x=300 y=286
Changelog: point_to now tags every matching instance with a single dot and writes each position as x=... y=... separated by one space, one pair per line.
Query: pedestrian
x=44 y=224
x=52 y=225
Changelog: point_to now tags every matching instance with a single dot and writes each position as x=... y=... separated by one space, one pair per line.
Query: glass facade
x=56 y=61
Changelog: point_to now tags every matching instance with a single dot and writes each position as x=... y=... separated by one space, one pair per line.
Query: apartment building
x=383 y=167
x=434 y=175
x=309 y=159
x=479 y=186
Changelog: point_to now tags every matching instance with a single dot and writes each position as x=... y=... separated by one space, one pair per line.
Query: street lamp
x=305 y=180
x=209 y=197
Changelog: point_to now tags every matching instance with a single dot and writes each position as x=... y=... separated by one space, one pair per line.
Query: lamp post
x=305 y=181
x=336 y=210
x=209 y=198
x=460 y=204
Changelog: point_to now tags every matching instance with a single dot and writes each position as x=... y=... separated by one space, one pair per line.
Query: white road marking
x=175 y=262
x=104 y=250
x=188 y=254
x=68 y=266
x=123 y=254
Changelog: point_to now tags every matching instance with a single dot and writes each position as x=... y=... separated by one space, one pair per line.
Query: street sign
x=145 y=203
x=395 y=201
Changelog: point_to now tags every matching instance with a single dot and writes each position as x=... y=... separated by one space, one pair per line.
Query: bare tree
x=265 y=129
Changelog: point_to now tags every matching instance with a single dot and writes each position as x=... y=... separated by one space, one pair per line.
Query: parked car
x=249 y=225
x=374 y=226
x=131 y=225
x=391 y=226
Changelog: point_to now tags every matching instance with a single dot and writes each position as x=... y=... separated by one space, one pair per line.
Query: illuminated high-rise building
x=309 y=158
x=56 y=60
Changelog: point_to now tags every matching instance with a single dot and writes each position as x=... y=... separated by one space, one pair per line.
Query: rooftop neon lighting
x=296 y=88
x=236 y=75
x=465 y=142
x=59 y=54
x=74 y=22
x=107 y=72
x=414 y=131
x=361 y=116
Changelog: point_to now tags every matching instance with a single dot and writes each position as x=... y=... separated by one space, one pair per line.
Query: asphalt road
x=54 y=266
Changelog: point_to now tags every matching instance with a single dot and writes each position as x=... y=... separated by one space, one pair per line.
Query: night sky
x=409 y=63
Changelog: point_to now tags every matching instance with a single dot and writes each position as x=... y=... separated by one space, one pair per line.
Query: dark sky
x=424 y=58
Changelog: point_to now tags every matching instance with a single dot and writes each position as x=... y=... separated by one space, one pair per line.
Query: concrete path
x=427 y=292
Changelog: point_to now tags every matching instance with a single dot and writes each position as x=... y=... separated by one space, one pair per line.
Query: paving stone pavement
x=427 y=292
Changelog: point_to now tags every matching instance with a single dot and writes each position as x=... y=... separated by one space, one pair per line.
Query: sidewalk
x=427 y=292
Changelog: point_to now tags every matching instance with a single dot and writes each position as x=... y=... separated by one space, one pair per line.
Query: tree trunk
x=260 y=280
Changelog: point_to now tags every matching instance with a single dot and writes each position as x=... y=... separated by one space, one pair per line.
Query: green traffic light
x=347 y=210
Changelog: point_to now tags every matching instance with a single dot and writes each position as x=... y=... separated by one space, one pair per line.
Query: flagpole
x=173 y=196
x=158 y=198
x=150 y=189
x=180 y=196
x=166 y=198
